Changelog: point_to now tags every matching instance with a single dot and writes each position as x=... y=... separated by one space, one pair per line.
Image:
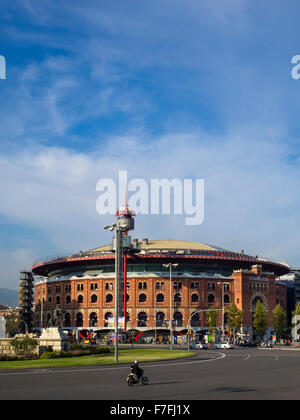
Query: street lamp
x=170 y=266
x=223 y=285
x=119 y=228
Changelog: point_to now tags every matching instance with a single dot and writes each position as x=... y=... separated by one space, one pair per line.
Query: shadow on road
x=165 y=383
x=233 y=389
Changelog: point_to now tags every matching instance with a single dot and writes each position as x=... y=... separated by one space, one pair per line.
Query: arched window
x=68 y=299
x=49 y=299
x=160 y=319
x=211 y=298
x=93 y=319
x=127 y=297
x=142 y=319
x=106 y=318
x=80 y=299
x=57 y=300
x=195 y=320
x=79 y=320
x=177 y=298
x=178 y=319
x=94 y=298
x=160 y=298
x=142 y=297
x=195 y=298
x=226 y=298
x=109 y=298
x=67 y=320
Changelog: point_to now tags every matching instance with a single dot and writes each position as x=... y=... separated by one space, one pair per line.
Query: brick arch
x=138 y=310
x=93 y=310
x=108 y=310
x=179 y=310
x=260 y=296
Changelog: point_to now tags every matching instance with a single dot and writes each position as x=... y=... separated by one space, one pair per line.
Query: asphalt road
x=211 y=375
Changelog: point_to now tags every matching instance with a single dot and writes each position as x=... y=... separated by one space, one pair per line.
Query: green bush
x=55 y=355
x=24 y=346
x=9 y=358
x=77 y=346
x=77 y=351
x=101 y=350
x=80 y=350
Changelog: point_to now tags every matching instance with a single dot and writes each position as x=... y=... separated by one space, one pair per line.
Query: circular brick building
x=82 y=285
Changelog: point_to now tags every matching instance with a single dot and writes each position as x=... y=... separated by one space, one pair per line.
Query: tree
x=212 y=320
x=260 y=322
x=12 y=326
x=235 y=319
x=279 y=319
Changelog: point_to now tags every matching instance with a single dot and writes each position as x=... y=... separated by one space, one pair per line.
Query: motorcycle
x=132 y=379
x=268 y=345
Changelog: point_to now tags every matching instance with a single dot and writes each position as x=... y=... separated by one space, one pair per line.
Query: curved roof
x=171 y=244
x=159 y=250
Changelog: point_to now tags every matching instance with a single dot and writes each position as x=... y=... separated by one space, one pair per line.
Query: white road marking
x=43 y=371
x=248 y=357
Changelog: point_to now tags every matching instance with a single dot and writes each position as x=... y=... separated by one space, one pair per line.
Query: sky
x=184 y=89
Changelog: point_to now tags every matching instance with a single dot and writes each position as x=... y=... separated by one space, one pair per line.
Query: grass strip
x=125 y=356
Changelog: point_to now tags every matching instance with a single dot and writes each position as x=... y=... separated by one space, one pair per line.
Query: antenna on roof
x=124 y=211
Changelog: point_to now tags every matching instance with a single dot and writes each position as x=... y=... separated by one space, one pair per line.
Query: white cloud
x=251 y=201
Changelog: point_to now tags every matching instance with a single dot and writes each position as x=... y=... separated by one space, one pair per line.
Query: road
x=211 y=375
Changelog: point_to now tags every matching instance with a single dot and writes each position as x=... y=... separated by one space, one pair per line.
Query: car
x=202 y=346
x=225 y=345
x=199 y=346
x=90 y=341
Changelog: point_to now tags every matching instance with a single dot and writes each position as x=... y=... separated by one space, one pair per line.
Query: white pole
x=171 y=332
x=42 y=306
x=223 y=285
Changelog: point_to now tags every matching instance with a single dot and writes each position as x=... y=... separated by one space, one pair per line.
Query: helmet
x=136 y=362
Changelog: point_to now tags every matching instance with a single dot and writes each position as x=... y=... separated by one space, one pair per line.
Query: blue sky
x=175 y=89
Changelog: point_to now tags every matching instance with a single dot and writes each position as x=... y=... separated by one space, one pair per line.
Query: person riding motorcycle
x=136 y=370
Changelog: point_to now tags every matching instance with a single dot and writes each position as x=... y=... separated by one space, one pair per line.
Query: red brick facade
x=86 y=301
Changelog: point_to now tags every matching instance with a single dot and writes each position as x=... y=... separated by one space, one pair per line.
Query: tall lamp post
x=223 y=286
x=170 y=266
x=124 y=223
x=118 y=272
